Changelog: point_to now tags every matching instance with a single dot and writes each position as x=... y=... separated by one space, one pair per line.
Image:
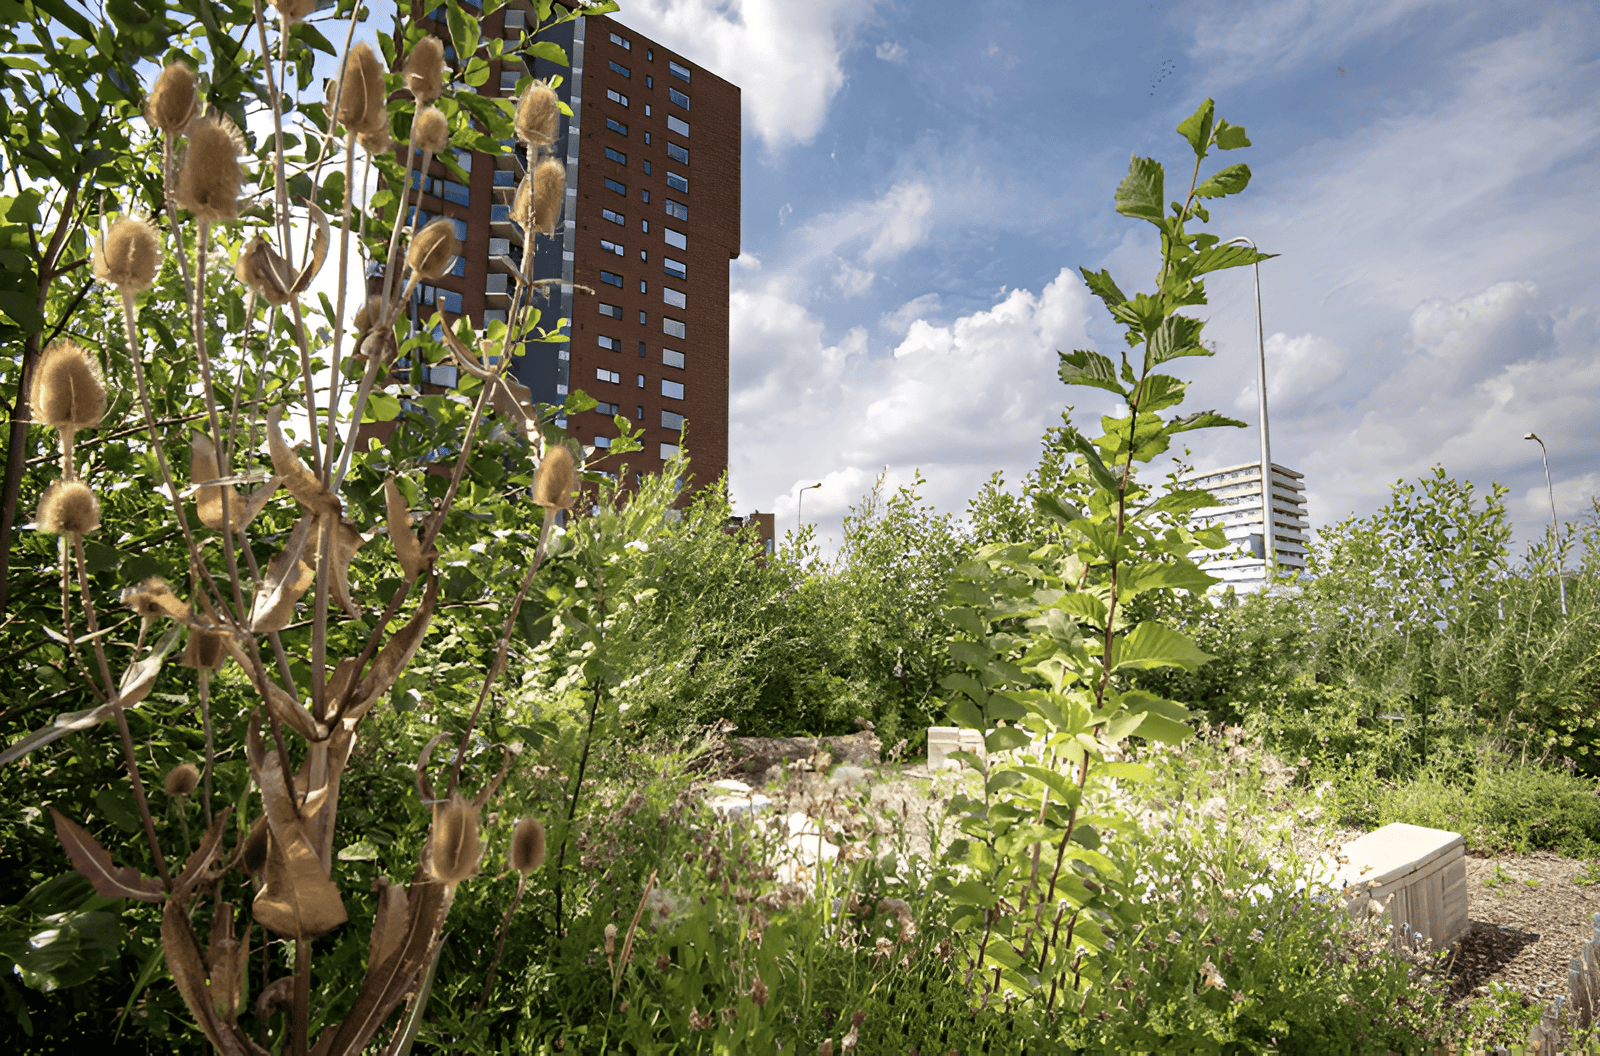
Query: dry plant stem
x=129 y=758
x=338 y=309
x=211 y=744
x=302 y=996
x=319 y=630
x=394 y=231
x=471 y=434
x=500 y=946
x=208 y=389
x=168 y=166
x=306 y=383
x=493 y=674
x=280 y=184
x=136 y=354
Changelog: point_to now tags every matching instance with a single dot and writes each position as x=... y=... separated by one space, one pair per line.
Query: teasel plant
x=299 y=735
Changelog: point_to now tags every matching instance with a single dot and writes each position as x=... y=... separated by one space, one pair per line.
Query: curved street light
x=1555 y=526
x=1269 y=548
x=799 y=517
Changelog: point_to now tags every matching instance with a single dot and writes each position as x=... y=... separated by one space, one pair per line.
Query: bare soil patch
x=1529 y=919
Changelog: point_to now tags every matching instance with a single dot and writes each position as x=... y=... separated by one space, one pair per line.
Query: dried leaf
x=154 y=599
x=347 y=539
x=395 y=654
x=338 y=685
x=69 y=722
x=197 y=870
x=296 y=475
x=275 y=995
x=94 y=862
x=188 y=968
x=407 y=547
x=288 y=710
x=208 y=499
x=288 y=577
x=138 y=680
x=389 y=923
x=297 y=899
x=319 y=248
x=226 y=959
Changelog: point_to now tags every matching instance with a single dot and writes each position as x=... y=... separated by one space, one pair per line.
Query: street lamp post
x=799 y=517
x=1269 y=549
x=1555 y=526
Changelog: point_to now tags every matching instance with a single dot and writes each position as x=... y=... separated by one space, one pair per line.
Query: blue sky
x=922 y=180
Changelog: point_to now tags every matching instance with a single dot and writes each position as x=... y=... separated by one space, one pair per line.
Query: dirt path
x=1528 y=920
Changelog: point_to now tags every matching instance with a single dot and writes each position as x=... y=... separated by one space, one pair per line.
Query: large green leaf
x=1151 y=645
x=464 y=32
x=1202 y=420
x=1178 y=335
x=1230 y=180
x=1196 y=128
x=1218 y=258
x=1141 y=192
x=1230 y=137
x=1102 y=286
x=1091 y=369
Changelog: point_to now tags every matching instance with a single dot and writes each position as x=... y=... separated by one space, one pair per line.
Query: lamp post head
x=1531 y=436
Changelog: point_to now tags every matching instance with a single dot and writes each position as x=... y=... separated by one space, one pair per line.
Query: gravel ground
x=1528 y=921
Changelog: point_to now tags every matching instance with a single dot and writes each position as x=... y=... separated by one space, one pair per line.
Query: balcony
x=497 y=289
x=505 y=255
x=501 y=224
x=515 y=159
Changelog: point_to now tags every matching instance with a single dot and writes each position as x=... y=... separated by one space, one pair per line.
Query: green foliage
x=1514 y=809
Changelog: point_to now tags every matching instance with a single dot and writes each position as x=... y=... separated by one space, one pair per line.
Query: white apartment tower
x=1243 y=563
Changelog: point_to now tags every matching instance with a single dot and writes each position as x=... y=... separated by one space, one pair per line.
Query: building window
x=639 y=415
x=641 y=381
x=642 y=287
x=608 y=375
x=641 y=349
x=602 y=441
x=616 y=156
x=678 y=71
x=617 y=126
x=505 y=178
x=676 y=182
x=611 y=247
x=647 y=168
x=669 y=451
x=610 y=343
x=649 y=81
x=606 y=409
x=672 y=358
x=677 y=153
x=646 y=109
x=675 y=268
x=613 y=185
x=672 y=327
x=670 y=420
x=649 y=54
x=644 y=196
x=678 y=125
x=612 y=310
x=677 y=210
x=641 y=317
x=676 y=298
x=644 y=225
x=672 y=390
x=678 y=97
x=613 y=216
x=622 y=42
x=675 y=239
x=643 y=255
x=615 y=65
x=616 y=96
x=611 y=278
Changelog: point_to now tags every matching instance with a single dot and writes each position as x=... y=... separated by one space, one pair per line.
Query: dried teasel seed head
x=611 y=939
x=522 y=204
x=68 y=392
x=425 y=69
x=181 y=779
x=292 y=11
x=552 y=484
x=527 y=846
x=205 y=650
x=209 y=176
x=549 y=192
x=453 y=846
x=368 y=315
x=264 y=270
x=171 y=103
x=129 y=256
x=434 y=249
x=430 y=130
x=377 y=141
x=364 y=102
x=758 y=993
x=68 y=507
x=538 y=115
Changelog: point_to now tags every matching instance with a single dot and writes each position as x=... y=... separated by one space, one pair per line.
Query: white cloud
x=900 y=320
x=956 y=401
x=902 y=220
x=853 y=282
x=891 y=51
x=786 y=58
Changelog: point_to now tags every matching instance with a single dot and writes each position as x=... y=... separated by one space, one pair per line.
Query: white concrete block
x=942 y=740
x=1418 y=874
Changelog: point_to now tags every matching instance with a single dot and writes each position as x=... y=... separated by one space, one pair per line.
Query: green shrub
x=1513 y=810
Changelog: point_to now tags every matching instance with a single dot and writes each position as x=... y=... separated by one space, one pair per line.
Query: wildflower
x=181 y=779
x=68 y=507
x=67 y=392
x=1209 y=976
x=129 y=256
x=171 y=103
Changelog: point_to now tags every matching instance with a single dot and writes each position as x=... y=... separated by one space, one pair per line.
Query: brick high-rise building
x=651 y=221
